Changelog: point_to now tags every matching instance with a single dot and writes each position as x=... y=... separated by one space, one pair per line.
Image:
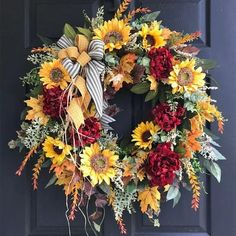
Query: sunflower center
x=150 y=40
x=99 y=163
x=56 y=75
x=113 y=37
x=146 y=135
x=185 y=77
x=57 y=150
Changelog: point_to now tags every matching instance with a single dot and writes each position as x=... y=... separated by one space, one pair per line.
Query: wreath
x=67 y=122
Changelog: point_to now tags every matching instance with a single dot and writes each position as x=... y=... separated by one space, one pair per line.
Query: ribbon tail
x=75 y=112
x=73 y=69
x=94 y=86
x=105 y=120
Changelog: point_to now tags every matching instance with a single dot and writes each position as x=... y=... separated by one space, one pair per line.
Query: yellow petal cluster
x=152 y=35
x=99 y=165
x=143 y=134
x=114 y=33
x=185 y=78
x=53 y=74
x=56 y=150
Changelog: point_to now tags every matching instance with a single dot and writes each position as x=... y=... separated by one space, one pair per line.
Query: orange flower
x=68 y=176
x=166 y=33
x=209 y=112
x=191 y=144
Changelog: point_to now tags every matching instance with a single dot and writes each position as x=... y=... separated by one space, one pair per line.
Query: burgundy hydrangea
x=162 y=164
x=160 y=63
x=166 y=117
x=89 y=133
x=54 y=102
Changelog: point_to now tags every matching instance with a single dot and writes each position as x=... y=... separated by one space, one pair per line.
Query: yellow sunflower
x=185 y=78
x=56 y=149
x=152 y=35
x=114 y=33
x=143 y=134
x=53 y=74
x=36 y=111
x=98 y=164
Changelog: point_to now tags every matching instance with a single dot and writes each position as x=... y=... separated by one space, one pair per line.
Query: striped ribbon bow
x=84 y=57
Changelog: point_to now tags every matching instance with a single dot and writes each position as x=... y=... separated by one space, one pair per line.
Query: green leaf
x=131 y=187
x=51 y=181
x=213 y=168
x=208 y=132
x=46 y=163
x=207 y=64
x=97 y=227
x=85 y=32
x=140 y=88
x=145 y=62
x=69 y=31
x=176 y=199
x=213 y=80
x=191 y=114
x=111 y=59
x=186 y=124
x=21 y=146
x=214 y=143
x=180 y=150
x=23 y=114
x=151 y=16
x=45 y=40
x=218 y=155
x=105 y=188
x=150 y=95
x=35 y=91
x=172 y=192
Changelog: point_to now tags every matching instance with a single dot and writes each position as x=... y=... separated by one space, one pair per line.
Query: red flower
x=88 y=133
x=162 y=164
x=161 y=63
x=54 y=102
x=166 y=118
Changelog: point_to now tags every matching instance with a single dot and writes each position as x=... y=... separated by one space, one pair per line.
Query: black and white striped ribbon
x=92 y=70
x=105 y=120
x=64 y=42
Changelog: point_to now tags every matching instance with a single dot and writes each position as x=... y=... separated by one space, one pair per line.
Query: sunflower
x=53 y=74
x=143 y=134
x=185 y=78
x=114 y=33
x=98 y=164
x=152 y=35
x=36 y=111
x=56 y=149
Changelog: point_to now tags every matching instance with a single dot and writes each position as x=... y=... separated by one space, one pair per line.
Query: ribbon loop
x=62 y=54
x=82 y=43
x=72 y=53
x=86 y=56
x=83 y=59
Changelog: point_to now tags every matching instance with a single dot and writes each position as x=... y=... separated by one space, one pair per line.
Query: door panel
x=184 y=15
x=42 y=213
x=181 y=220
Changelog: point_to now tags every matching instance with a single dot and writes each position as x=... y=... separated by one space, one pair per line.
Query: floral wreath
x=67 y=123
